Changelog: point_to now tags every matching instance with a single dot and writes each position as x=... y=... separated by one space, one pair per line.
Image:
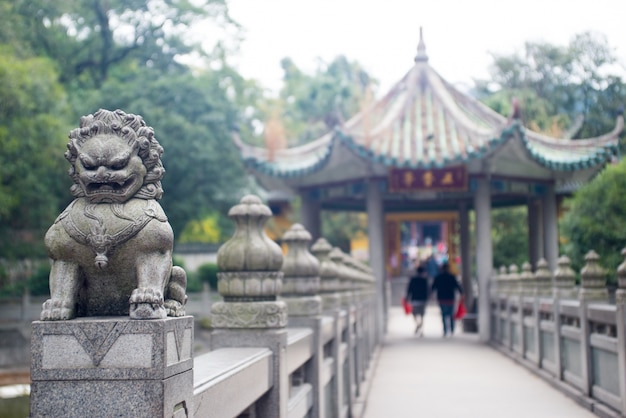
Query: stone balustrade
x=317 y=363
x=573 y=336
x=293 y=336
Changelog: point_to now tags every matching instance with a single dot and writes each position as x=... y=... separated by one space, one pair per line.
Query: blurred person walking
x=417 y=295
x=445 y=284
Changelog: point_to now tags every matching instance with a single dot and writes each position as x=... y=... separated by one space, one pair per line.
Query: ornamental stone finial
x=249 y=249
x=250 y=279
x=621 y=272
x=620 y=294
x=593 y=279
x=564 y=279
x=527 y=280
x=299 y=264
x=514 y=280
x=329 y=280
x=300 y=274
x=543 y=278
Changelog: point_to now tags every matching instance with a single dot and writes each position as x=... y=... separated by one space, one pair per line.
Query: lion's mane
x=134 y=131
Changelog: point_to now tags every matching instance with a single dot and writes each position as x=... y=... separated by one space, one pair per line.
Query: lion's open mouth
x=118 y=187
x=109 y=187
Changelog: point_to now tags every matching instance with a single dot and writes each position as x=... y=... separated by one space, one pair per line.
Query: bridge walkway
x=435 y=377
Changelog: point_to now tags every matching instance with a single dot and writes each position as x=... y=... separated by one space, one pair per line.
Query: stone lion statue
x=111 y=248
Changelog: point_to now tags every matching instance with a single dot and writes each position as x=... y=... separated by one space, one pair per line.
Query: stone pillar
x=310 y=214
x=250 y=281
x=336 y=255
x=564 y=285
x=550 y=227
x=484 y=253
x=592 y=289
x=376 y=237
x=543 y=279
x=527 y=280
x=301 y=283
x=535 y=235
x=331 y=304
x=115 y=366
x=466 y=263
x=329 y=280
x=620 y=304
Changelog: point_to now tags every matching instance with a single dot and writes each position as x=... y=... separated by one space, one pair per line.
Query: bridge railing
x=293 y=336
x=573 y=336
x=307 y=351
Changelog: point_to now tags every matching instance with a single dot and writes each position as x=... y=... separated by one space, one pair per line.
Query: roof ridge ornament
x=421 y=49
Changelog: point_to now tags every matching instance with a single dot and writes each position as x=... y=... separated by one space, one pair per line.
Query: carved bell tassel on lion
x=111 y=248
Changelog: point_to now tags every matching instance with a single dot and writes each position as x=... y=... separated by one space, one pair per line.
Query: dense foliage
x=595 y=219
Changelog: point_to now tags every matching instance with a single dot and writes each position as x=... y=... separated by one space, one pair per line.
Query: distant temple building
x=427 y=154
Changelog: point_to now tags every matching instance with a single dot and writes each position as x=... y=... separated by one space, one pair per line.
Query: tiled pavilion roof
x=425 y=122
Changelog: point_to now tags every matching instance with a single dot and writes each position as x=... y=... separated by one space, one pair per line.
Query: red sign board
x=447 y=179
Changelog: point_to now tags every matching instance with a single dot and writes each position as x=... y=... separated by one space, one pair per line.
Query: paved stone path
x=436 y=377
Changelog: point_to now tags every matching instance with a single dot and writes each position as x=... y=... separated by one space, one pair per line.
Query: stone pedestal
x=113 y=366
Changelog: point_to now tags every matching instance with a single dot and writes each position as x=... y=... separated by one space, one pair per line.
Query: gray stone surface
x=270 y=404
x=104 y=367
x=114 y=398
x=262 y=314
x=119 y=348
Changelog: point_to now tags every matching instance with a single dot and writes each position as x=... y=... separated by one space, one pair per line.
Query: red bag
x=408 y=309
x=460 y=310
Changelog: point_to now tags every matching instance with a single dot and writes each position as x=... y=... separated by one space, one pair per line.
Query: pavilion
x=426 y=148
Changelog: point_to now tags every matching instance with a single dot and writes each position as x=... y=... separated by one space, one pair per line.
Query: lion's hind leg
x=176 y=298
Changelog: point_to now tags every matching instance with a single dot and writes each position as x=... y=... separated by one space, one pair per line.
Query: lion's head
x=114 y=157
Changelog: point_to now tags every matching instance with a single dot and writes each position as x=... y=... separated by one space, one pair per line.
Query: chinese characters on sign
x=436 y=179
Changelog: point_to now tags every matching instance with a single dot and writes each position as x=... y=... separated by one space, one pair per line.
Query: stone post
x=527 y=280
x=331 y=305
x=336 y=255
x=518 y=297
x=543 y=279
x=328 y=271
x=620 y=304
x=301 y=283
x=592 y=289
x=527 y=291
x=250 y=314
x=564 y=280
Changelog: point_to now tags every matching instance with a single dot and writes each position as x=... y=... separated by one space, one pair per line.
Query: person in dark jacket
x=445 y=284
x=417 y=295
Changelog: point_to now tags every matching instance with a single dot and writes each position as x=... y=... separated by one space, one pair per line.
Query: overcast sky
x=382 y=35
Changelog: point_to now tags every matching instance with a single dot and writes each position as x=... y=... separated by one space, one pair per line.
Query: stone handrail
x=572 y=336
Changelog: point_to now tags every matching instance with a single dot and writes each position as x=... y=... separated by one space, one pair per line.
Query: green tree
x=556 y=85
x=33 y=113
x=312 y=105
x=595 y=219
x=509 y=236
x=89 y=38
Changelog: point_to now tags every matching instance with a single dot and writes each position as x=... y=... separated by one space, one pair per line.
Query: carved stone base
x=103 y=367
x=264 y=314
x=304 y=306
x=599 y=295
x=331 y=301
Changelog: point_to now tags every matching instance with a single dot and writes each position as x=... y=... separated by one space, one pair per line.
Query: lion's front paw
x=56 y=310
x=147 y=303
x=174 y=308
